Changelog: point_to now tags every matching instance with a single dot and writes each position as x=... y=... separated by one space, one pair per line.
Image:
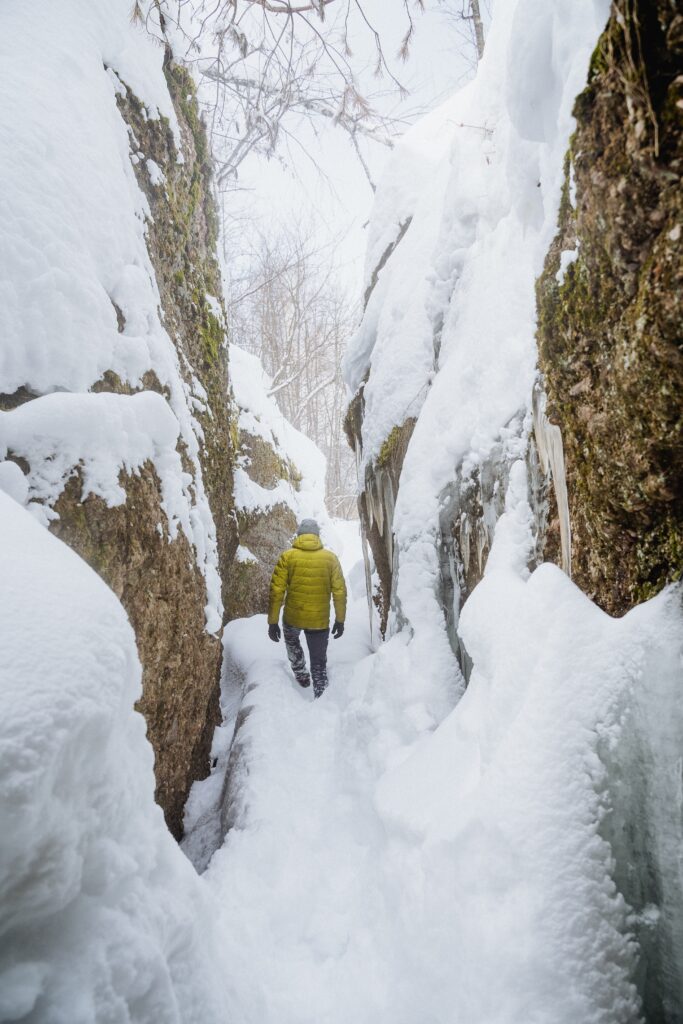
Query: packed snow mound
x=78 y=293
x=260 y=416
x=101 y=916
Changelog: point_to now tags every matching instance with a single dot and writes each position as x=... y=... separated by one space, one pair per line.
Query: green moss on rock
x=609 y=335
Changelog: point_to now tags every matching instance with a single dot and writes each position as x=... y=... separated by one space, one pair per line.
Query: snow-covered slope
x=113 y=352
x=538 y=782
x=102 y=917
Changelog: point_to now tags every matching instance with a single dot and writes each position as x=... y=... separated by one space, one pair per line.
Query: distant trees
x=288 y=306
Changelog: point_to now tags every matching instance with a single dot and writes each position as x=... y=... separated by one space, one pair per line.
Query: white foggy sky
x=338 y=204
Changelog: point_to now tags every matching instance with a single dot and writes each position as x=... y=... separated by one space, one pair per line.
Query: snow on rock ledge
x=101 y=917
x=279 y=480
x=79 y=296
x=101 y=434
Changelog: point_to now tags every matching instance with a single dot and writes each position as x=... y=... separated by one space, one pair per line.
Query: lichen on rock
x=609 y=320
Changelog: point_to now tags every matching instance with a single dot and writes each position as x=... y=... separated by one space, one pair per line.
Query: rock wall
x=169 y=572
x=157 y=579
x=610 y=315
x=264 y=533
x=610 y=311
x=377 y=497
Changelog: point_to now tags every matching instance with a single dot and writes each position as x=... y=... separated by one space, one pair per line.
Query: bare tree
x=269 y=63
x=288 y=307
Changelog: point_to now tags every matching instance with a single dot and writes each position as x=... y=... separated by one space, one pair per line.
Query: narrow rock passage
x=387 y=865
x=295 y=875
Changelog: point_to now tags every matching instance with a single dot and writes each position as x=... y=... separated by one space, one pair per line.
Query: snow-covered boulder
x=101 y=916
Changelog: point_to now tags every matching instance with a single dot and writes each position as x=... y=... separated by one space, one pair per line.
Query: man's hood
x=307 y=542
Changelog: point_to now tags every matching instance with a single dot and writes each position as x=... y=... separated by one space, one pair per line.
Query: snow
x=260 y=416
x=156 y=175
x=101 y=433
x=102 y=916
x=74 y=236
x=402 y=849
x=448 y=336
x=567 y=257
x=382 y=865
x=243 y=554
x=13 y=482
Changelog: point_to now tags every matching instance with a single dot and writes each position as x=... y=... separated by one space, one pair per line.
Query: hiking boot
x=304 y=680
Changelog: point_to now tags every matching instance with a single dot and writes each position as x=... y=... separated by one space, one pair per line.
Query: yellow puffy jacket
x=308 y=574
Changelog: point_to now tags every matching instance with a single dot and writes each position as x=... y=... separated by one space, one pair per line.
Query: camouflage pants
x=316 y=639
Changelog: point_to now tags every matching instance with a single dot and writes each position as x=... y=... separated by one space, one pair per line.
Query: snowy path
x=294 y=882
x=383 y=869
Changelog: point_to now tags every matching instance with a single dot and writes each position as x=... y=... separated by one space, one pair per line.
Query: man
x=307 y=574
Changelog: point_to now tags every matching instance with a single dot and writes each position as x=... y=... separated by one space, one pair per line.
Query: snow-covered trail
x=293 y=879
x=383 y=866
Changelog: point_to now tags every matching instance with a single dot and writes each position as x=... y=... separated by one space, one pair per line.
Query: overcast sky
x=337 y=202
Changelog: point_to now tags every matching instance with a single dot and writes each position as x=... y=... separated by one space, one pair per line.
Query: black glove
x=274 y=631
x=337 y=629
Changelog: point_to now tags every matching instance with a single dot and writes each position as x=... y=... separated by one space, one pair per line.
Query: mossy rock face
x=182 y=238
x=265 y=533
x=377 y=498
x=157 y=582
x=263 y=464
x=610 y=334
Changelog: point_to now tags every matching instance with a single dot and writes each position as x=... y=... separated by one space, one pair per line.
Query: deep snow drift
x=102 y=918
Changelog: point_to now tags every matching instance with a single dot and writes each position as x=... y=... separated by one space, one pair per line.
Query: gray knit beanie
x=308 y=526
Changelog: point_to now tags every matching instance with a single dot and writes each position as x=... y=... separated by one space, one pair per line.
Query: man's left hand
x=337 y=629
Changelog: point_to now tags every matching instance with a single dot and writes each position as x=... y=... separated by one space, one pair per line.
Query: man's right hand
x=274 y=631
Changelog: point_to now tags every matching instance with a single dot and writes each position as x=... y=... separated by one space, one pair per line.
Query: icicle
x=377 y=492
x=465 y=541
x=388 y=500
x=456 y=589
x=368 y=502
x=551 y=455
x=368 y=574
x=482 y=542
x=389 y=496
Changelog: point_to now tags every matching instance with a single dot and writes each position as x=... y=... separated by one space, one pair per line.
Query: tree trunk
x=478 y=27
